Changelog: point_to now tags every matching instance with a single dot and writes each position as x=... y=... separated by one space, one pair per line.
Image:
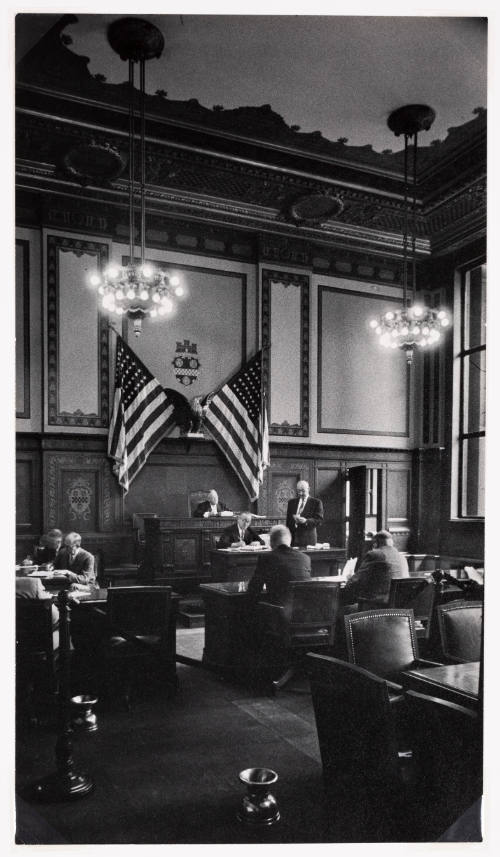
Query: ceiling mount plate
x=411 y=119
x=135 y=39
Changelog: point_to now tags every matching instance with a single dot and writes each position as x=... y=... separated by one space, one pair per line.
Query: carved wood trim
x=107 y=500
x=56 y=244
x=25 y=249
x=300 y=281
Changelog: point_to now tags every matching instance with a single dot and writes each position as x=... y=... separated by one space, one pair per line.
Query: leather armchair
x=460 y=629
x=384 y=641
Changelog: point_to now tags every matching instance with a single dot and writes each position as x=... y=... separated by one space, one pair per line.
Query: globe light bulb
x=441 y=314
x=101 y=290
x=156 y=297
x=120 y=294
x=179 y=291
x=147 y=271
x=144 y=295
x=425 y=330
x=373 y=323
x=131 y=294
x=417 y=310
x=394 y=332
x=415 y=329
x=444 y=322
x=168 y=305
x=174 y=281
x=394 y=344
x=378 y=331
x=112 y=273
x=389 y=315
x=404 y=330
x=94 y=279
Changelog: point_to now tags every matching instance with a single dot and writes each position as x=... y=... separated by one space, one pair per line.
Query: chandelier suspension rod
x=414 y=217
x=131 y=165
x=405 y=233
x=143 y=159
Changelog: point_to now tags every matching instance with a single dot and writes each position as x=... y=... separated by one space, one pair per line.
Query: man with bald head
x=304 y=513
x=276 y=569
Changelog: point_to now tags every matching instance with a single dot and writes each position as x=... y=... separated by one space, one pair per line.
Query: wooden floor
x=167 y=771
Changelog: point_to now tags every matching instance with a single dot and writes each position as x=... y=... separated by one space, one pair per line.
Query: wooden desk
x=457 y=683
x=228 y=565
x=177 y=550
x=227 y=626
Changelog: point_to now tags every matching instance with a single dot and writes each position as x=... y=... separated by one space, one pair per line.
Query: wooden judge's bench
x=183 y=552
x=177 y=551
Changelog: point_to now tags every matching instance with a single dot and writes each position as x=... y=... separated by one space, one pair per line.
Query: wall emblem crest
x=186 y=364
x=283 y=493
x=80 y=497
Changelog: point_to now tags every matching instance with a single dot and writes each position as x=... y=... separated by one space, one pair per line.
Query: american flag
x=237 y=420
x=142 y=414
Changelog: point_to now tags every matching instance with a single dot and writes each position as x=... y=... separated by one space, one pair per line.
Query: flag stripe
x=142 y=414
x=237 y=422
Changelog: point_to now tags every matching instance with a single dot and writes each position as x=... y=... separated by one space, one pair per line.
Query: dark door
x=358 y=477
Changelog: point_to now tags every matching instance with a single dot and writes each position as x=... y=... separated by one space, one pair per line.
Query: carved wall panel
x=80 y=492
x=77 y=336
x=363 y=388
x=23 y=410
x=285 y=327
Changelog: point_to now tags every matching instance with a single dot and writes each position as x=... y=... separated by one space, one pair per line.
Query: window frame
x=461 y=356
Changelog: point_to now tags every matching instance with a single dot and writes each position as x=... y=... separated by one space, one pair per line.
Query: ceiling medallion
x=315 y=208
x=94 y=162
x=414 y=324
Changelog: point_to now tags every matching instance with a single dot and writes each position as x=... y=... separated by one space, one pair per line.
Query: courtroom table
x=239 y=564
x=458 y=683
x=229 y=625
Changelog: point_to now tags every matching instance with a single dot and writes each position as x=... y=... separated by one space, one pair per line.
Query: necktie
x=300 y=506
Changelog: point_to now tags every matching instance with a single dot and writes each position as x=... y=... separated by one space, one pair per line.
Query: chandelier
x=415 y=324
x=138 y=289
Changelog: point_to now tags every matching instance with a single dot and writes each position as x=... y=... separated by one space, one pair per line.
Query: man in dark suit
x=76 y=563
x=209 y=507
x=240 y=531
x=50 y=545
x=278 y=568
x=372 y=581
x=303 y=515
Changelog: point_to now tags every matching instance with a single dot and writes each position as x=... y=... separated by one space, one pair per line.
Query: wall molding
x=24 y=244
x=302 y=282
x=55 y=417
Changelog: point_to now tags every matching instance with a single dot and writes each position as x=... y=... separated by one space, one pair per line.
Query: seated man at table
x=275 y=570
x=372 y=581
x=240 y=532
x=209 y=507
x=50 y=544
x=75 y=563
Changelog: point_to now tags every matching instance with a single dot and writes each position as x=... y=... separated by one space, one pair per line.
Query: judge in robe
x=240 y=531
x=303 y=515
x=210 y=507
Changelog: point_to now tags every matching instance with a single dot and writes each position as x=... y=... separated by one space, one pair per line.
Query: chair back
x=311 y=610
x=34 y=627
x=357 y=742
x=382 y=641
x=460 y=628
x=139 y=610
x=195 y=498
x=417 y=594
x=447 y=758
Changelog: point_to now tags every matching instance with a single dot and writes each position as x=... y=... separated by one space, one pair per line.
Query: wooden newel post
x=65 y=783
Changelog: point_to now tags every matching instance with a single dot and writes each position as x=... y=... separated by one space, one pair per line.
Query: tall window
x=472 y=373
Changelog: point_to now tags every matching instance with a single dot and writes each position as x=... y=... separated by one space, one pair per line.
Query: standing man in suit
x=240 y=531
x=209 y=507
x=76 y=563
x=372 y=580
x=303 y=515
x=278 y=568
